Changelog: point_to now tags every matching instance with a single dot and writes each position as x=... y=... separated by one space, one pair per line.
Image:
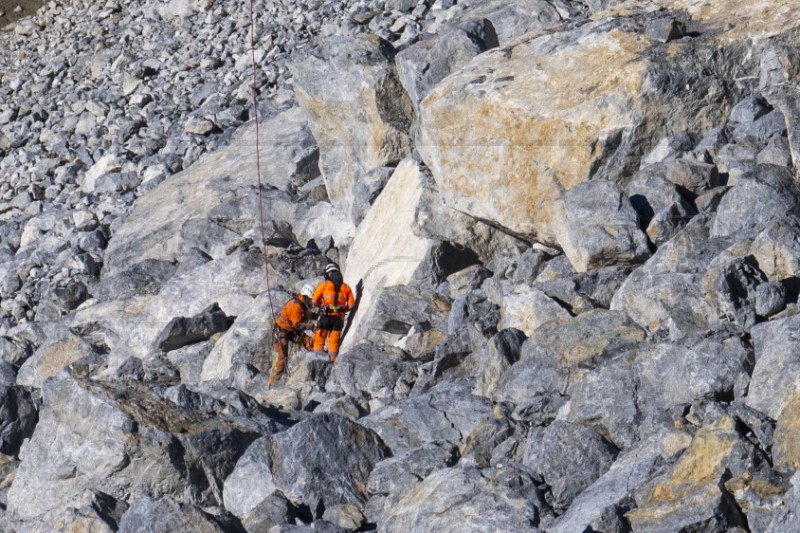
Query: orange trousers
x=281 y=350
x=330 y=329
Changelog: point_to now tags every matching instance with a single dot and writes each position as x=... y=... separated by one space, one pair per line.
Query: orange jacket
x=293 y=313
x=337 y=303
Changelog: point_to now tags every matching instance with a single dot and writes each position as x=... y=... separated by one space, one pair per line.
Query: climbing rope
x=258 y=160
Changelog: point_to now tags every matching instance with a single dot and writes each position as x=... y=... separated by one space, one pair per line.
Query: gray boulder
x=145 y=277
x=758 y=198
x=274 y=510
x=18 y=417
x=398 y=474
x=323 y=461
x=458 y=499
x=777 y=249
x=569 y=457
x=166 y=515
x=661 y=208
x=777 y=365
x=357 y=371
x=502 y=351
x=730 y=287
x=596 y=226
x=446 y=414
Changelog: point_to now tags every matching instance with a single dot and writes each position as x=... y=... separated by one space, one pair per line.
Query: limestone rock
x=385 y=252
x=52 y=357
x=523 y=105
x=457 y=499
x=690 y=492
x=524 y=307
x=358 y=111
x=596 y=226
x=777 y=366
x=165 y=515
x=772 y=189
x=569 y=457
x=502 y=351
x=777 y=249
x=785 y=452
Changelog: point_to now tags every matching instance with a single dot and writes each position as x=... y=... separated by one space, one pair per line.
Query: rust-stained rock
x=786 y=450
x=692 y=491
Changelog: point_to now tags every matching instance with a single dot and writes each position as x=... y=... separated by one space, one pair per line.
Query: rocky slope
x=574 y=229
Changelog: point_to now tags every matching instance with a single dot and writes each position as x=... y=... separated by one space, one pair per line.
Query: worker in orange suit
x=294 y=318
x=335 y=298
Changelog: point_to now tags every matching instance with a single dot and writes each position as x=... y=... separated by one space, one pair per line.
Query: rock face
x=572 y=229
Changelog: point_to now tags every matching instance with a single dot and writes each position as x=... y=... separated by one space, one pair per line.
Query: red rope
x=258 y=160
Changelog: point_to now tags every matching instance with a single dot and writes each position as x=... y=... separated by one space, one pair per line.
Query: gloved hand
x=308 y=324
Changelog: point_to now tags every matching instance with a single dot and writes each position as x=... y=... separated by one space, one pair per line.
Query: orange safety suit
x=335 y=304
x=288 y=328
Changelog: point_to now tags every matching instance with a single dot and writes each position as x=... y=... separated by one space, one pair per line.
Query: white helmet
x=307 y=290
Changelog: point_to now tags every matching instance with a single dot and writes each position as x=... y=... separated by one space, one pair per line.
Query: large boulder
x=777 y=365
x=596 y=226
x=358 y=111
x=555 y=110
x=321 y=462
x=386 y=252
x=166 y=515
x=125 y=442
x=460 y=499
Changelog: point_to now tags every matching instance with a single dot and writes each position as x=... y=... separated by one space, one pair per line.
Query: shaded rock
x=512 y=19
x=730 y=287
x=321 y=462
x=123 y=441
x=665 y=293
x=596 y=226
x=398 y=474
x=457 y=499
x=777 y=249
x=664 y=30
x=51 y=357
x=772 y=189
x=423 y=65
x=15 y=351
x=447 y=415
x=18 y=417
x=770 y=299
x=358 y=371
x=346 y=516
x=749 y=110
x=691 y=493
x=630 y=469
x=777 y=365
x=661 y=209
x=398 y=308
x=91 y=511
x=502 y=351
x=272 y=511
x=357 y=110
x=789 y=517
x=182 y=330
x=569 y=457
x=166 y=515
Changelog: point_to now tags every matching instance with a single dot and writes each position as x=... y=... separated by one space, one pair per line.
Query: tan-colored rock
x=357 y=109
x=385 y=251
x=507 y=133
x=690 y=492
x=50 y=359
x=786 y=450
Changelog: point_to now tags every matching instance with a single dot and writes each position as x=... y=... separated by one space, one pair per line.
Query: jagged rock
x=770 y=299
x=447 y=415
x=730 y=287
x=569 y=457
x=749 y=110
x=358 y=371
x=772 y=384
x=459 y=499
x=689 y=494
x=181 y=331
x=772 y=189
x=346 y=516
x=605 y=400
x=664 y=30
x=398 y=308
x=522 y=306
x=272 y=511
x=51 y=357
x=630 y=469
x=367 y=189
x=122 y=441
x=373 y=264
x=320 y=462
x=665 y=293
x=785 y=452
x=512 y=19
x=669 y=375
x=502 y=351
x=15 y=351
x=662 y=210
x=788 y=518
x=777 y=249
x=358 y=111
x=761 y=495
x=90 y=511
x=398 y=474
x=166 y=515
x=596 y=226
